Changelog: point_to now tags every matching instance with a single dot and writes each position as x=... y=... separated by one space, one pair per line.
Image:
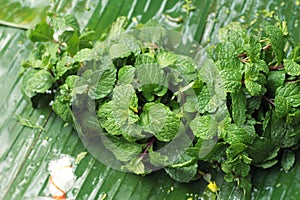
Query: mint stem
x=274 y=68
x=149 y=144
x=266 y=47
x=269 y=100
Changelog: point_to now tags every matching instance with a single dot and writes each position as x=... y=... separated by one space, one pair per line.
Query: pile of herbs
x=242 y=111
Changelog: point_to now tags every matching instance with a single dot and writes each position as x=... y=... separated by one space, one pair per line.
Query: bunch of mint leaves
x=243 y=112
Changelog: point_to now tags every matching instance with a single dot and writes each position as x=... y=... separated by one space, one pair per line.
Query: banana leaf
x=25 y=152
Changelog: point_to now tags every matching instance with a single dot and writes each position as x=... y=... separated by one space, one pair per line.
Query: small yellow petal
x=213 y=186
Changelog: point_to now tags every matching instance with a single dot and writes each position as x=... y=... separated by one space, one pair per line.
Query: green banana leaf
x=25 y=152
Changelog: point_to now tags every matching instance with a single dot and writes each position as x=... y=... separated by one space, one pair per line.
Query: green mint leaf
x=277 y=41
x=282 y=106
x=135 y=165
x=62 y=102
x=277 y=130
x=233 y=32
x=204 y=98
x=152 y=81
x=291 y=67
x=239 y=134
x=232 y=79
x=234 y=150
x=126 y=75
x=290 y=91
x=42 y=32
x=61 y=23
x=267 y=164
x=123 y=46
x=101 y=80
x=120 y=43
x=204 y=127
x=118 y=27
x=62 y=107
x=122 y=149
x=186 y=68
x=145 y=58
x=239 y=166
x=262 y=150
x=182 y=174
x=124 y=105
x=238 y=100
x=190 y=104
x=254 y=80
x=253 y=48
x=275 y=79
x=160 y=121
x=86 y=39
x=253 y=104
x=37 y=82
x=226 y=55
x=183 y=169
x=64 y=66
x=72 y=41
x=157 y=159
x=152 y=32
x=166 y=58
x=209 y=150
x=108 y=120
x=288 y=160
x=84 y=55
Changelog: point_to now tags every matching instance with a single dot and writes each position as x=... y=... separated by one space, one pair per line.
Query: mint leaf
x=235 y=149
x=122 y=149
x=145 y=58
x=203 y=100
x=290 y=91
x=135 y=165
x=254 y=80
x=126 y=75
x=123 y=46
x=204 y=127
x=288 y=160
x=84 y=55
x=262 y=150
x=277 y=41
x=280 y=132
x=186 y=67
x=234 y=133
x=291 y=67
x=238 y=107
x=62 y=23
x=124 y=105
x=232 y=79
x=152 y=81
x=37 y=82
x=183 y=169
x=166 y=58
x=65 y=65
x=42 y=32
x=62 y=107
x=109 y=121
x=253 y=48
x=160 y=121
x=275 y=79
x=102 y=80
x=240 y=166
x=157 y=159
x=233 y=32
x=62 y=102
x=282 y=106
